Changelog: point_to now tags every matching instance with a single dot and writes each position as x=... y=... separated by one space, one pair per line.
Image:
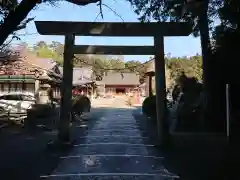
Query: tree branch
x=113 y=11
x=18 y=14
x=101 y=11
x=3 y=47
x=15 y=17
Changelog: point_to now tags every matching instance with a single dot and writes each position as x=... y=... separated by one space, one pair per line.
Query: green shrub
x=81 y=104
x=149 y=106
x=190 y=109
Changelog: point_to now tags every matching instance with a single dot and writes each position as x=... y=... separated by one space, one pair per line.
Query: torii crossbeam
x=72 y=29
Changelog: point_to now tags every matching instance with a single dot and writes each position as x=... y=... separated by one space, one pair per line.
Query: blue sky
x=176 y=46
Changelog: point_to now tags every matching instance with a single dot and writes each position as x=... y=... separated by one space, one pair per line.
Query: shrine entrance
x=71 y=29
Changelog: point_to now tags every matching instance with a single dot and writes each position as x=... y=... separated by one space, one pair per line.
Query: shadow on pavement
x=24 y=155
x=195 y=157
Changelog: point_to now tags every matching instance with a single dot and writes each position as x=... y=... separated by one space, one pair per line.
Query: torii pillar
x=156 y=30
x=160 y=81
x=66 y=90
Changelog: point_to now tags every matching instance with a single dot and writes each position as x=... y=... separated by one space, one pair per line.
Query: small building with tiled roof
x=81 y=75
x=116 y=82
x=21 y=70
x=83 y=80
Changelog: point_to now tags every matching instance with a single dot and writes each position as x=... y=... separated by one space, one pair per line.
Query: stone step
x=115 y=123
x=114 y=139
x=117 y=148
x=113 y=132
x=116 y=126
x=114 y=147
x=111 y=164
x=111 y=176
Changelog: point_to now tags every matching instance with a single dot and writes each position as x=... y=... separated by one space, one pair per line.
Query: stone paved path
x=113 y=148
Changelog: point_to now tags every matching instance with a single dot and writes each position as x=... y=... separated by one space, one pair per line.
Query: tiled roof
x=43 y=63
x=25 y=63
x=150 y=66
x=17 y=67
x=117 y=78
x=81 y=75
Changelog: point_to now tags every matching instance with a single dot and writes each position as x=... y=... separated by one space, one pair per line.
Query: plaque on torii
x=133 y=29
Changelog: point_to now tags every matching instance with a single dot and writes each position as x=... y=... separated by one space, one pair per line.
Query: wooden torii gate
x=72 y=29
